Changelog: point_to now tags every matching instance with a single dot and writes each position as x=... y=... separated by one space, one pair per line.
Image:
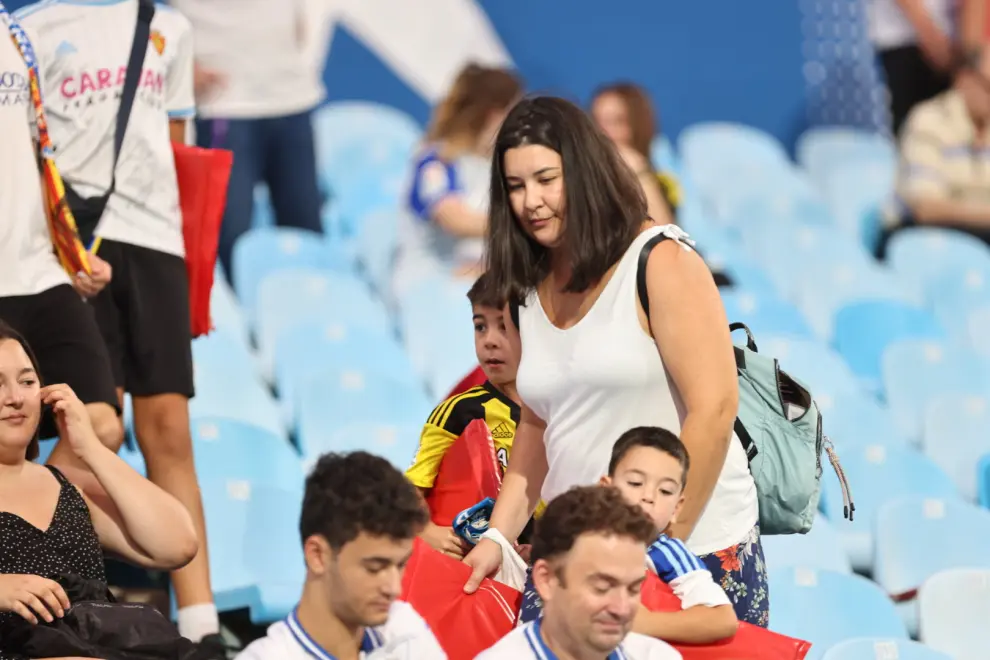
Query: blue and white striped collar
x=372 y=639
x=542 y=652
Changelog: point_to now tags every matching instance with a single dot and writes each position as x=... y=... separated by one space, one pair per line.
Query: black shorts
x=62 y=332
x=143 y=315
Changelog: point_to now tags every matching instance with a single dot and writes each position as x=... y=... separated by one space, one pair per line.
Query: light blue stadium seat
x=824 y=608
x=226 y=503
x=978 y=330
x=263 y=215
x=224 y=354
x=303 y=295
x=273 y=553
x=819 y=549
x=956 y=435
x=878 y=474
x=438 y=333
x=663 y=155
x=860 y=193
x=764 y=315
x=962 y=291
x=821 y=150
x=377 y=239
x=329 y=405
x=815 y=364
x=228 y=449
x=711 y=152
x=396 y=442
x=983 y=481
x=914 y=371
x=916 y=537
x=921 y=254
x=853 y=419
x=226 y=313
x=243 y=399
x=260 y=252
x=864 y=329
x=313 y=349
x=881 y=649
x=954 y=608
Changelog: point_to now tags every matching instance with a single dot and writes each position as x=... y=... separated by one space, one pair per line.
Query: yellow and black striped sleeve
x=445 y=424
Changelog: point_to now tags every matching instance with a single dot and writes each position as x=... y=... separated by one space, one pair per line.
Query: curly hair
x=347 y=494
x=588 y=510
x=8 y=333
x=654 y=437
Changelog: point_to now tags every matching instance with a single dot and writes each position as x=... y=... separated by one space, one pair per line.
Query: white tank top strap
x=672 y=232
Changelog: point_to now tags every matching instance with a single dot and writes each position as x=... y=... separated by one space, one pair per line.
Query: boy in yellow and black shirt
x=495 y=401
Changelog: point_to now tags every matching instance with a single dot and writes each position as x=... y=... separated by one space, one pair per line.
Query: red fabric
x=749 y=642
x=473 y=379
x=469 y=472
x=202 y=175
x=465 y=625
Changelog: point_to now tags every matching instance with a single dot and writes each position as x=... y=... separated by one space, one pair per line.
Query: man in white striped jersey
x=587 y=555
x=359 y=519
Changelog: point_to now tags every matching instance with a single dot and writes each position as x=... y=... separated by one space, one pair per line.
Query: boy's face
x=653 y=480
x=497 y=354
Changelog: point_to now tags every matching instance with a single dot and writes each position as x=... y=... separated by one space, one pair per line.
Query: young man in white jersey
x=36 y=295
x=359 y=519
x=588 y=553
x=83 y=50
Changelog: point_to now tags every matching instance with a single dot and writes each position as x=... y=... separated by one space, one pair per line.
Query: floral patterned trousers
x=742 y=572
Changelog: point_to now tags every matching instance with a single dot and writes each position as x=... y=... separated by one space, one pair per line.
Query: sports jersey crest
x=158 y=41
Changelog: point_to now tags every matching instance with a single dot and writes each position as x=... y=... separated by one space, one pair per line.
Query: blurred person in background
x=914 y=42
x=943 y=178
x=446 y=212
x=255 y=95
x=360 y=517
x=143 y=313
x=624 y=112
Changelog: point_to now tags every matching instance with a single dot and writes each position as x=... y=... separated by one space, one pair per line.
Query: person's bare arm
x=935 y=44
x=690 y=327
x=177 y=130
x=972 y=24
x=936 y=211
x=656 y=205
x=458 y=219
x=524 y=476
x=697 y=625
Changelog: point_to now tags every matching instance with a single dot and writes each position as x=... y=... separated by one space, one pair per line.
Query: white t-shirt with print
x=82 y=49
x=27 y=263
x=526 y=643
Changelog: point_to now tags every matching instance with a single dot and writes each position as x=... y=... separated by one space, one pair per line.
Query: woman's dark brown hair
x=8 y=333
x=477 y=92
x=639 y=113
x=604 y=206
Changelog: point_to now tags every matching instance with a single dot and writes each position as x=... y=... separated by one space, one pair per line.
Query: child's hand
x=445 y=540
x=524 y=551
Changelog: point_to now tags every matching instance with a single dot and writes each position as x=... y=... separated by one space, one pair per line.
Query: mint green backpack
x=780 y=427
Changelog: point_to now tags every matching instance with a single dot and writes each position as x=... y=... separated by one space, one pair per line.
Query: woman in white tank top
x=593 y=366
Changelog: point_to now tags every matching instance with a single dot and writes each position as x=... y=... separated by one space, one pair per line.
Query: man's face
x=591 y=594
x=363 y=578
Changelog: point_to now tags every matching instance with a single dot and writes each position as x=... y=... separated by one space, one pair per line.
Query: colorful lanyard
x=65 y=234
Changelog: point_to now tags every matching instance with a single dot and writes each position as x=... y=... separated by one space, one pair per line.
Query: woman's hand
x=32 y=596
x=445 y=540
x=484 y=559
x=74 y=425
x=88 y=286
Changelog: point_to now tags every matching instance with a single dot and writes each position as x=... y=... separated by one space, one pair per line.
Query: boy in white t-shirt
x=587 y=554
x=359 y=519
x=649 y=466
x=143 y=314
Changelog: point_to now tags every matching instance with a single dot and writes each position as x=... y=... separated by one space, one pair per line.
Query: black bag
x=89 y=210
x=96 y=626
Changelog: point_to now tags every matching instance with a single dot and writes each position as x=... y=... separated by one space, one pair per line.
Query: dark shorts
x=62 y=331
x=143 y=315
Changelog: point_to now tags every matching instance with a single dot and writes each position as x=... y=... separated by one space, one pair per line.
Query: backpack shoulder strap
x=644 y=257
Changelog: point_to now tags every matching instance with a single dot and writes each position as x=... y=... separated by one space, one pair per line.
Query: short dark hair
x=588 y=510
x=604 y=202
x=347 y=494
x=482 y=294
x=655 y=438
x=8 y=333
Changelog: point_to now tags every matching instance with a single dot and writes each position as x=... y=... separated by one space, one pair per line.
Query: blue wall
x=704 y=60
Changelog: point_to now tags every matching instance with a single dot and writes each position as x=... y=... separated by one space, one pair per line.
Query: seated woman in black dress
x=47 y=526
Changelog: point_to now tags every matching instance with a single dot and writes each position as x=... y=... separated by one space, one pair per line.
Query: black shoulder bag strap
x=644 y=299
x=89 y=210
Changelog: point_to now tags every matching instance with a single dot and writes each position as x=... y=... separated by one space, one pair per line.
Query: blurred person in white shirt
x=359 y=519
x=256 y=89
x=588 y=554
x=143 y=313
